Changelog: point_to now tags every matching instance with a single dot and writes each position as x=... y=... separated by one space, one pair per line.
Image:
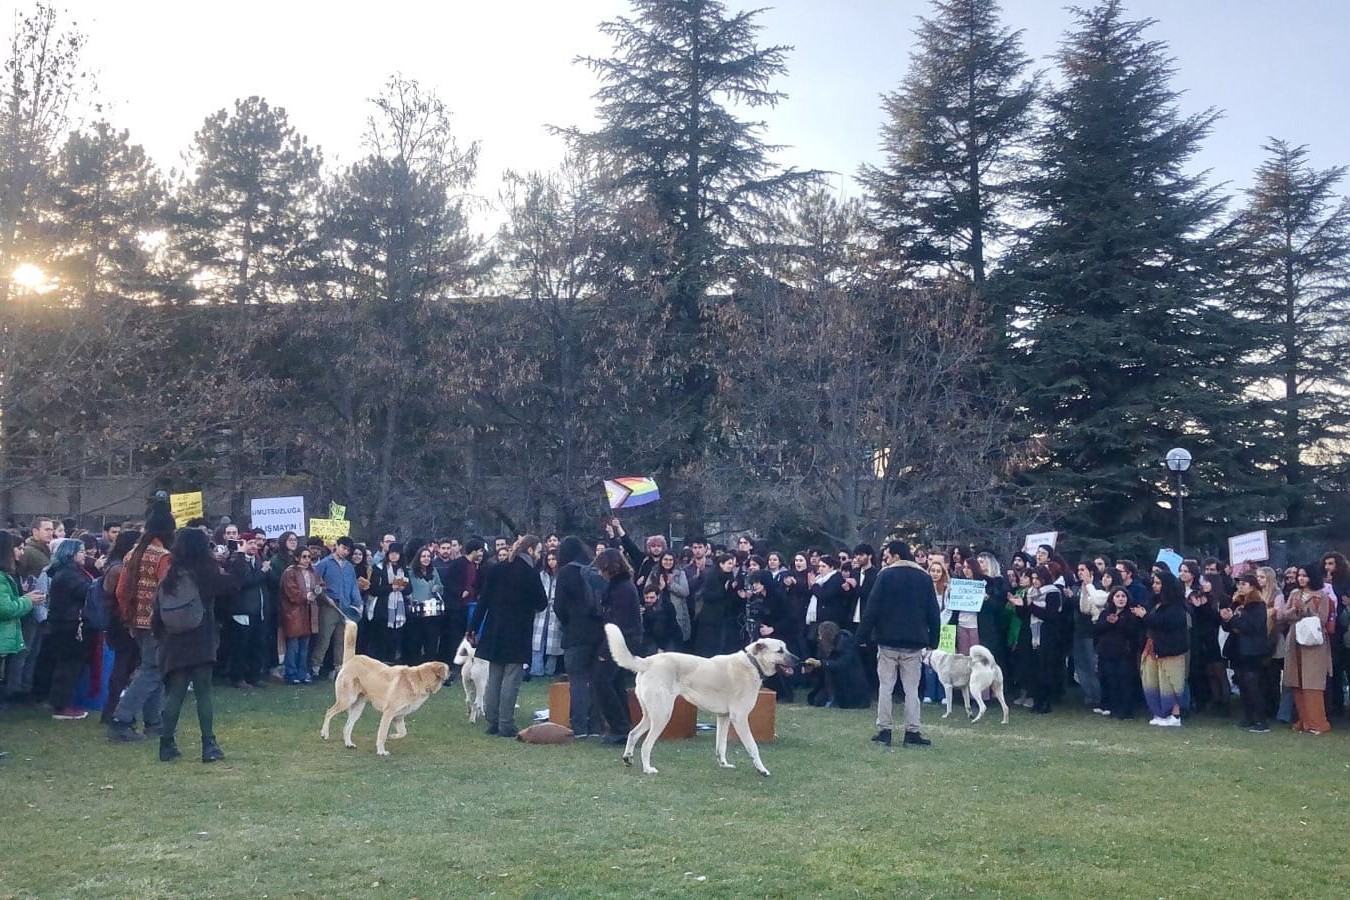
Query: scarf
x=397 y=607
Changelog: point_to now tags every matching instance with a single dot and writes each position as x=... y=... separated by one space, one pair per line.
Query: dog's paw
x=349 y=745
x=324 y=735
x=726 y=765
x=649 y=770
x=381 y=752
x=764 y=772
x=945 y=715
x=628 y=760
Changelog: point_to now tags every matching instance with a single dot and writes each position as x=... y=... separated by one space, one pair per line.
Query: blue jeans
x=297 y=655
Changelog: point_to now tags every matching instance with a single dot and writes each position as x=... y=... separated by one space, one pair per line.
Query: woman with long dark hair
x=187 y=657
x=1162 y=665
x=426 y=610
x=619 y=605
x=1247 y=648
x=577 y=605
x=1307 y=666
x=126 y=653
x=14 y=604
x=1208 y=674
x=389 y=605
x=65 y=643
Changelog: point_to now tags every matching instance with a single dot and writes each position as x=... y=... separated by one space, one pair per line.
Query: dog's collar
x=754 y=662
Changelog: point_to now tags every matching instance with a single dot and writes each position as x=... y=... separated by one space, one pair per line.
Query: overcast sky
x=506 y=69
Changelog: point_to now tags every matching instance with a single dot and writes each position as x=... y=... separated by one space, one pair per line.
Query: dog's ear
x=759 y=647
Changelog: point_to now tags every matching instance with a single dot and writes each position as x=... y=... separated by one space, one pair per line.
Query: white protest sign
x=1035 y=540
x=1250 y=547
x=274 y=516
x=966 y=595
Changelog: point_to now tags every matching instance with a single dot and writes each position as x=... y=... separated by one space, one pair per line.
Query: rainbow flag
x=631 y=490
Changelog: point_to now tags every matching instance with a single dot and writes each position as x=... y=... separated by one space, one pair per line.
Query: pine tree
x=107 y=198
x=1124 y=351
x=667 y=105
x=245 y=220
x=952 y=140
x=1293 y=283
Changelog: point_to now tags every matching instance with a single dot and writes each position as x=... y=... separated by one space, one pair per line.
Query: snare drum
x=425 y=609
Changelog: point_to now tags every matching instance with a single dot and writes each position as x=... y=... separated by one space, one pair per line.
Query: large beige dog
x=394 y=691
x=726 y=686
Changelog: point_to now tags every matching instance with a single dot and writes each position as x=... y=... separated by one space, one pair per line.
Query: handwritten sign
x=274 y=516
x=966 y=595
x=1034 y=541
x=1170 y=558
x=336 y=512
x=947 y=639
x=187 y=506
x=329 y=529
x=1254 y=546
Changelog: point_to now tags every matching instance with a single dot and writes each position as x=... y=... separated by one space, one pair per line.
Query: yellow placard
x=329 y=529
x=336 y=512
x=187 y=506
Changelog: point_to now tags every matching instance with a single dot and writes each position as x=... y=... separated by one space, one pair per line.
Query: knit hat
x=159 y=519
x=395 y=547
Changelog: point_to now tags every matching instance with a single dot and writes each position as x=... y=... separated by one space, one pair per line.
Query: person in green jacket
x=13 y=605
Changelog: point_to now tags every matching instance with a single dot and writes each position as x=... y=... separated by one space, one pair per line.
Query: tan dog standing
x=394 y=691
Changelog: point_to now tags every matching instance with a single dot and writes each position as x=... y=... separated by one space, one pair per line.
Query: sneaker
x=211 y=752
x=1170 y=722
x=70 y=714
x=883 y=737
x=1259 y=728
x=1099 y=711
x=1156 y=720
x=914 y=739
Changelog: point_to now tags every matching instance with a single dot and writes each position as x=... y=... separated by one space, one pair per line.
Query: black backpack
x=181 y=610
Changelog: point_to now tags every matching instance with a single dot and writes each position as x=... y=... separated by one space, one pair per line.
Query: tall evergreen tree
x=1293 y=282
x=1125 y=351
x=952 y=141
x=106 y=200
x=245 y=220
x=668 y=110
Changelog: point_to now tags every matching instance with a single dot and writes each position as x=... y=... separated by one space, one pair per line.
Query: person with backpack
x=577 y=606
x=184 y=623
x=66 y=629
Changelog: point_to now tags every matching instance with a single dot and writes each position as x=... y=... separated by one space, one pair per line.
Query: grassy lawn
x=1068 y=805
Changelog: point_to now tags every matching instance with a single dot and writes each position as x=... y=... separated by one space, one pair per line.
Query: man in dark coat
x=511 y=595
x=577 y=606
x=902 y=618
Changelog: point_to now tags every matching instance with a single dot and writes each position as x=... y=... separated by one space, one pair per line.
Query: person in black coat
x=1040 y=614
x=511 y=595
x=1116 y=634
x=660 y=627
x=1208 y=676
x=776 y=621
x=841 y=683
x=833 y=602
x=902 y=618
x=619 y=606
x=65 y=645
x=187 y=658
x=576 y=603
x=1247 y=648
x=717 y=609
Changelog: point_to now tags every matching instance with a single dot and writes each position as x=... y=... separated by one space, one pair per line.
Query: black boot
x=883 y=737
x=168 y=750
x=211 y=751
x=914 y=739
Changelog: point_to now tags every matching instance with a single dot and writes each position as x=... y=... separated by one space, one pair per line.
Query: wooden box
x=683 y=718
x=681 y=725
x=763 y=718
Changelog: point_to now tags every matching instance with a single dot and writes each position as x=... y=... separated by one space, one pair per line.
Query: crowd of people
x=190 y=609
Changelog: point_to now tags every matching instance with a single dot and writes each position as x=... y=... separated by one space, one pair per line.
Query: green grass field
x=1063 y=806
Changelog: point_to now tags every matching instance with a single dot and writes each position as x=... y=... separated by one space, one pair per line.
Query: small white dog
x=473 y=673
x=973 y=674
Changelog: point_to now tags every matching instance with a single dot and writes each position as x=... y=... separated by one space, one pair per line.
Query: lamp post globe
x=1178 y=459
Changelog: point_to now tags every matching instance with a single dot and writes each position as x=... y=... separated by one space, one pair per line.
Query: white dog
x=973 y=674
x=726 y=686
x=473 y=673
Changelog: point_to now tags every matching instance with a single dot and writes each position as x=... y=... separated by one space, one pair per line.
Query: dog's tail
x=618 y=648
x=348 y=639
x=983 y=656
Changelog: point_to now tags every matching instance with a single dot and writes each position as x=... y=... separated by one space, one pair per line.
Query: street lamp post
x=1178 y=461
